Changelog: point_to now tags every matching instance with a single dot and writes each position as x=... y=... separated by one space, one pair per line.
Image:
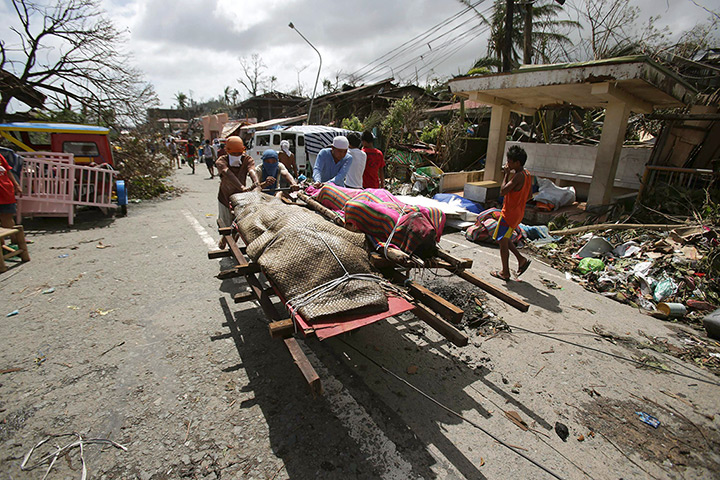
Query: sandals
x=524 y=268
x=498 y=274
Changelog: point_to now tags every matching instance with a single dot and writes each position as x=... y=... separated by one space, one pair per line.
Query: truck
x=306 y=141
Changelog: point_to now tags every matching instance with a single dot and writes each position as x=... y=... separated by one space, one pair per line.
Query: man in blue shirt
x=332 y=164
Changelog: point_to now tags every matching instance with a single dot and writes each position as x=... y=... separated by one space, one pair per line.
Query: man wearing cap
x=270 y=171
x=332 y=164
x=233 y=170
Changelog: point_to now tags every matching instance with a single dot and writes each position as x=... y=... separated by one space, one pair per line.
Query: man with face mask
x=271 y=171
x=233 y=169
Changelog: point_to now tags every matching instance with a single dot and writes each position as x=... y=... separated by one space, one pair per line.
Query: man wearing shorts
x=516 y=188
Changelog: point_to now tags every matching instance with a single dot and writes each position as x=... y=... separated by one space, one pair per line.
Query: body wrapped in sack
x=295 y=249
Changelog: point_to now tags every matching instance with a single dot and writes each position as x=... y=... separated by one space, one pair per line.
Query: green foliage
x=373 y=120
x=353 y=123
x=431 y=133
x=402 y=121
x=143 y=173
x=479 y=71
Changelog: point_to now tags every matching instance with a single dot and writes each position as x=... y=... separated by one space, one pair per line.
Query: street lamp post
x=319 y=68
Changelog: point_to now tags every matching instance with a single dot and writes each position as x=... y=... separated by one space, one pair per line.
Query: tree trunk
x=507 y=45
x=527 y=44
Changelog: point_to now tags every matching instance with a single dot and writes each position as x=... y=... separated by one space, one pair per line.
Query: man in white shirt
x=354 y=178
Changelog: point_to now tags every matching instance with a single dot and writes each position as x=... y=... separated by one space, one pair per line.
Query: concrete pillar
x=608 y=153
x=499 y=119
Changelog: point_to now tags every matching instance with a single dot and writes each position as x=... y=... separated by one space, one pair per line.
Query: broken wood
x=615 y=226
x=503 y=295
x=454 y=261
x=282 y=329
x=440 y=325
x=442 y=307
x=311 y=376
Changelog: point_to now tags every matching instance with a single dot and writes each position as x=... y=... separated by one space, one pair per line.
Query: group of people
x=191 y=150
x=347 y=165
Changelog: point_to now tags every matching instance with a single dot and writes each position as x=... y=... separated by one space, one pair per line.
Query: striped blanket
x=378 y=214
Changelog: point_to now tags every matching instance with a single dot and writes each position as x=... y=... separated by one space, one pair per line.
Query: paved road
x=140 y=343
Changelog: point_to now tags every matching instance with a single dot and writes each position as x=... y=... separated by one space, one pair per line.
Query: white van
x=306 y=141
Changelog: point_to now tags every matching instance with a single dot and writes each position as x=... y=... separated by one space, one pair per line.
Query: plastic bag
x=589 y=264
x=664 y=289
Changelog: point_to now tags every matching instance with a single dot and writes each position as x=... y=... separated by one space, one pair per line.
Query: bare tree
x=253 y=70
x=72 y=53
x=613 y=29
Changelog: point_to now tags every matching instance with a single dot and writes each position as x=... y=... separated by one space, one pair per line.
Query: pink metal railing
x=53 y=185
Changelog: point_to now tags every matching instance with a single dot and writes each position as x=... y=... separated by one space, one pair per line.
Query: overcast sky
x=195 y=46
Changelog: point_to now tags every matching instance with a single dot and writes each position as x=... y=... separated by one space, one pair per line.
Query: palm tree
x=546 y=33
x=181 y=100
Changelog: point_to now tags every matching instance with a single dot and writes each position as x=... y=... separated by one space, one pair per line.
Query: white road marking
x=204 y=235
x=373 y=442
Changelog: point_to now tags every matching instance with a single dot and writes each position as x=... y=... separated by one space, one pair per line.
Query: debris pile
x=669 y=274
x=473 y=301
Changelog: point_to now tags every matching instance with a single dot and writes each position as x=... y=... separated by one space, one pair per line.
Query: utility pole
x=527 y=32
x=507 y=44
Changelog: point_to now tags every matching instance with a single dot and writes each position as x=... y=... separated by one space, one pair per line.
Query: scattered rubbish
x=515 y=418
x=64 y=255
x=100 y=312
x=562 y=431
x=51 y=457
x=154 y=236
x=581 y=438
x=590 y=264
x=48 y=290
x=13 y=313
x=627 y=249
x=102 y=245
x=73 y=307
x=412 y=369
x=550 y=284
x=209 y=214
x=578 y=307
x=665 y=288
x=649 y=419
x=672 y=310
x=595 y=247
x=552 y=350
x=112 y=348
x=11 y=370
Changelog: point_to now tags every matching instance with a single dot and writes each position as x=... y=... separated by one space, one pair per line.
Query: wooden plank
x=239 y=271
x=440 y=325
x=235 y=250
x=282 y=329
x=311 y=376
x=242 y=297
x=219 y=254
x=500 y=293
x=442 y=307
x=225 y=231
x=454 y=261
x=321 y=209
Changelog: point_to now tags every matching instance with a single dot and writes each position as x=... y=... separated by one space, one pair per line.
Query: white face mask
x=235 y=160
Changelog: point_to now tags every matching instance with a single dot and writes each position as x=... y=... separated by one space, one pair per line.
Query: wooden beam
x=236 y=252
x=219 y=254
x=311 y=376
x=454 y=261
x=321 y=209
x=493 y=100
x=684 y=116
x=440 y=325
x=225 y=231
x=242 y=297
x=282 y=329
x=442 y=307
x=500 y=293
x=239 y=271
x=609 y=92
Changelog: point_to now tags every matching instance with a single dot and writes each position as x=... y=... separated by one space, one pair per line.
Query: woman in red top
x=9 y=187
x=516 y=188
